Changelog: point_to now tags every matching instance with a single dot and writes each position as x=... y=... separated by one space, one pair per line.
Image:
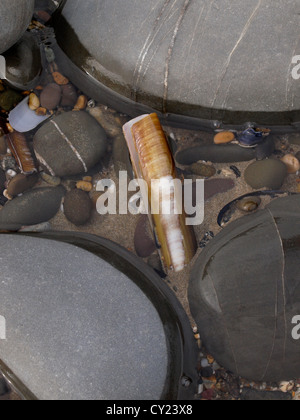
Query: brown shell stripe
x=18 y=145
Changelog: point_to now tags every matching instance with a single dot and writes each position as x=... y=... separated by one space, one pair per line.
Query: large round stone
x=15 y=18
x=194 y=59
x=70 y=144
x=91 y=324
x=245 y=293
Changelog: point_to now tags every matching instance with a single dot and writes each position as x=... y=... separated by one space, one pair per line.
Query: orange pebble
x=59 y=78
x=224 y=137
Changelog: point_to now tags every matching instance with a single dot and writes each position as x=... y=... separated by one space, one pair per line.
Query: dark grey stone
x=255 y=395
x=193 y=58
x=78 y=328
x=245 y=291
x=78 y=207
x=70 y=144
x=15 y=18
x=265 y=149
x=268 y=173
x=34 y=207
x=24 y=63
x=227 y=153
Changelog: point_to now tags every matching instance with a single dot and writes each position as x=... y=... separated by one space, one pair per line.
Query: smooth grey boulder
x=199 y=59
x=15 y=18
x=70 y=144
x=91 y=322
x=34 y=207
x=245 y=293
x=268 y=173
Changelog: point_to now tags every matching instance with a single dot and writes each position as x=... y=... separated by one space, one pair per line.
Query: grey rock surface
x=245 y=291
x=15 y=18
x=77 y=328
x=229 y=60
x=34 y=207
x=70 y=144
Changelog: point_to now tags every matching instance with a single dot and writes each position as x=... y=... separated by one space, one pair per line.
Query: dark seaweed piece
x=236 y=171
x=227 y=212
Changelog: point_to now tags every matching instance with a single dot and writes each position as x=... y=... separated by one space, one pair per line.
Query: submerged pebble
x=84 y=186
x=292 y=163
x=78 y=207
x=249 y=204
x=269 y=173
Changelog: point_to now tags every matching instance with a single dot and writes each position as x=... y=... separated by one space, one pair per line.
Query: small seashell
x=84 y=186
x=224 y=137
x=292 y=163
x=59 y=78
x=34 y=102
x=249 y=204
x=81 y=103
x=41 y=112
x=252 y=137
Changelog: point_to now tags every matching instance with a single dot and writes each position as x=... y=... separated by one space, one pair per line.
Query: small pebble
x=204 y=363
x=50 y=56
x=41 y=112
x=69 y=96
x=87 y=179
x=8 y=196
x=78 y=207
x=21 y=183
x=81 y=103
x=51 y=180
x=210 y=359
x=59 y=78
x=34 y=102
x=249 y=204
x=51 y=96
x=224 y=137
x=105 y=120
x=203 y=170
x=84 y=186
x=292 y=163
